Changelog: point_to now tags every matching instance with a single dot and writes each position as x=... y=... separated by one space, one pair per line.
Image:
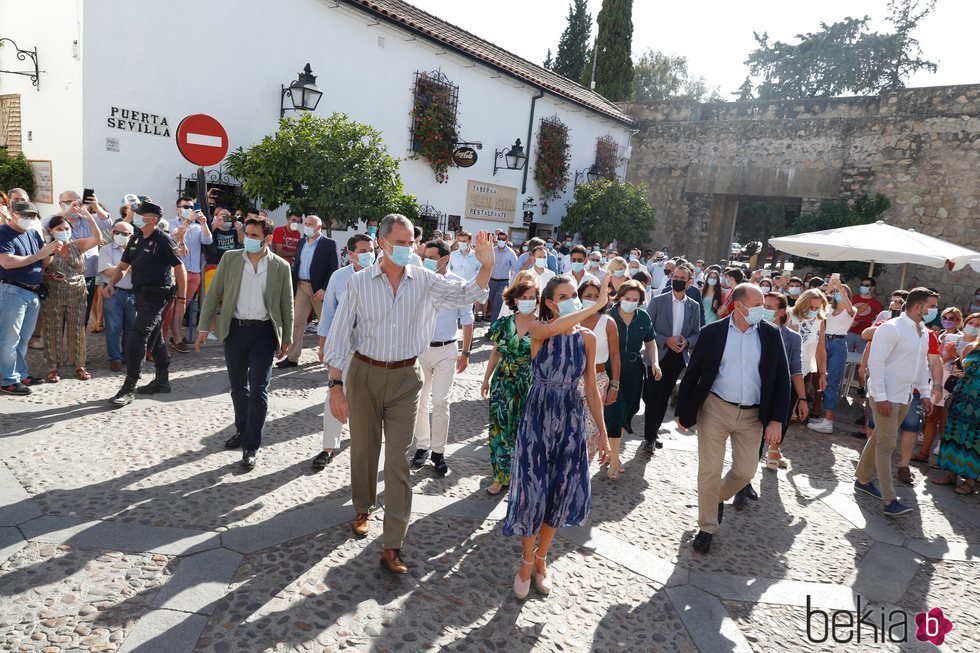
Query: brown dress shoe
x=391 y=559
x=361 y=525
x=115 y=366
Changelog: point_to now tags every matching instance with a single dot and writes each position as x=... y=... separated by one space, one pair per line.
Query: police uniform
x=152 y=259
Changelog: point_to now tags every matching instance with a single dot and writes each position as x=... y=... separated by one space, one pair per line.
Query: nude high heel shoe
x=541 y=581
x=522 y=587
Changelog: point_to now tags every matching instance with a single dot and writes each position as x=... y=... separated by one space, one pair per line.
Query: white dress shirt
x=585 y=277
x=109 y=257
x=251 y=297
x=898 y=361
x=678 y=307
x=387 y=326
x=448 y=318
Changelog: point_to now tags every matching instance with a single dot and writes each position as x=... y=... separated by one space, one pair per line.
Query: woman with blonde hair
x=808 y=316
x=617 y=270
x=836 y=325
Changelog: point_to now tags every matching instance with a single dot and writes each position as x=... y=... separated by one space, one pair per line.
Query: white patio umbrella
x=878 y=243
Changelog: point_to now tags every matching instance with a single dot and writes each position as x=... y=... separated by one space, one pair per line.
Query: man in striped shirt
x=384 y=321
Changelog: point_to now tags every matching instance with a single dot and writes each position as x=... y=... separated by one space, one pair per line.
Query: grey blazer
x=661 y=311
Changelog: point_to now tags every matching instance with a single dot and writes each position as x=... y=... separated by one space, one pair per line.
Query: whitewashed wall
x=366 y=70
x=51 y=116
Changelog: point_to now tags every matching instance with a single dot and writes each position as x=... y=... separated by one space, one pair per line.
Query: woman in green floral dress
x=510 y=367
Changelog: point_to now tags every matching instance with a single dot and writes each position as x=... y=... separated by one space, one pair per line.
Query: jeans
x=497 y=287
x=19 y=309
x=120 y=316
x=145 y=335
x=249 y=352
x=836 y=362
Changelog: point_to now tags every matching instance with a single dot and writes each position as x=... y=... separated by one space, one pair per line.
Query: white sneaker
x=212 y=337
x=821 y=426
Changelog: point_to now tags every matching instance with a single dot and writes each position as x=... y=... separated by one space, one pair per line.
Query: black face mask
x=896 y=313
x=678 y=285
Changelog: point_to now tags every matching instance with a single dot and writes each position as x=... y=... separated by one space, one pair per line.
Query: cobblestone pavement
x=134 y=529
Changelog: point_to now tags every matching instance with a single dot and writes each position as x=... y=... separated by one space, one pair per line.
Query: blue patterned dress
x=550 y=475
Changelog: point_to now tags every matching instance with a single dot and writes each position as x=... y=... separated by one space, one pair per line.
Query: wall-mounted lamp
x=591 y=174
x=303 y=92
x=514 y=158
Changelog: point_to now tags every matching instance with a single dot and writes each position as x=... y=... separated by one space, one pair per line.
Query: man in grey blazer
x=677 y=322
x=255 y=291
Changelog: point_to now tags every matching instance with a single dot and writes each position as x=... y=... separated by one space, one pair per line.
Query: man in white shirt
x=577 y=257
x=360 y=248
x=897 y=365
x=594 y=266
x=462 y=262
x=120 y=309
x=656 y=268
x=440 y=363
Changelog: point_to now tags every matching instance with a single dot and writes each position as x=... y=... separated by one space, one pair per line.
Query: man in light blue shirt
x=656 y=268
x=440 y=363
x=525 y=261
x=505 y=266
x=462 y=262
x=191 y=234
x=361 y=251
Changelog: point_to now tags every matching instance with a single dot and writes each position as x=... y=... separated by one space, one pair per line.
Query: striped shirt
x=380 y=324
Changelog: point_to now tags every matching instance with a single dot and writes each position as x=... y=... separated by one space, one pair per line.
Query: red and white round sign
x=202 y=140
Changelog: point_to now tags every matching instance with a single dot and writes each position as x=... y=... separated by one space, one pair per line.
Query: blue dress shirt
x=504 y=263
x=306 y=258
x=336 y=288
x=738 y=379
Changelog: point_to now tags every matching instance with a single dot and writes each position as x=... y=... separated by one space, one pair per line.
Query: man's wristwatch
x=335 y=382
x=465 y=353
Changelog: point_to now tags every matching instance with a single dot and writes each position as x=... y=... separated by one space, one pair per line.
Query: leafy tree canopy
x=333 y=167
x=608 y=209
x=16 y=172
x=614 y=65
x=658 y=76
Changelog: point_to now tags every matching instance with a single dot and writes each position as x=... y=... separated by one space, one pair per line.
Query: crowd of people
x=581 y=337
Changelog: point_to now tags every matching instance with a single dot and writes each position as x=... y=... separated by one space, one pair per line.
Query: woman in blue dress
x=550 y=485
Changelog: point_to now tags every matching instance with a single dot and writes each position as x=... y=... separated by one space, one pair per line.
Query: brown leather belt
x=394 y=365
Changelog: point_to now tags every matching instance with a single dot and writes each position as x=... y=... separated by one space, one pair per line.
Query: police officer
x=156 y=265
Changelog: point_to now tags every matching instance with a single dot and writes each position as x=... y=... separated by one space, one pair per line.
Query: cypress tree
x=614 y=66
x=570 y=59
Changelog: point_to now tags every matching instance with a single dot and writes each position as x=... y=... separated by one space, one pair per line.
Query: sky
x=716 y=35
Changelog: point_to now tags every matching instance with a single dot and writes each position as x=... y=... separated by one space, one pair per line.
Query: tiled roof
x=435 y=29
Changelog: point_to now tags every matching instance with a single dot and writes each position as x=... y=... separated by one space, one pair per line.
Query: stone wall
x=919 y=147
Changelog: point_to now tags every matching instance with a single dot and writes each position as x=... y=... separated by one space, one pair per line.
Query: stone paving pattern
x=134 y=529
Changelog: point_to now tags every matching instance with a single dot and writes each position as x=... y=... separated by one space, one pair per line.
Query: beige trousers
x=717 y=421
x=303 y=302
x=389 y=399
x=877 y=454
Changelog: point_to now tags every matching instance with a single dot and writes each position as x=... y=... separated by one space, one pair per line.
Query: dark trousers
x=656 y=394
x=496 y=300
x=90 y=287
x=249 y=351
x=150 y=304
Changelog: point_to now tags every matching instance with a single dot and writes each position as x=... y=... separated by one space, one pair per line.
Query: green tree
x=905 y=15
x=574 y=42
x=835 y=214
x=614 y=64
x=15 y=172
x=332 y=167
x=841 y=58
x=658 y=76
x=608 y=209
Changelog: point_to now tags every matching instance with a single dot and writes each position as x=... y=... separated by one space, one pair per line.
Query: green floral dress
x=508 y=391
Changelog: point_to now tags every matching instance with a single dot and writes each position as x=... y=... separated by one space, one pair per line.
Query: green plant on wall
x=551 y=164
x=16 y=172
x=434 y=127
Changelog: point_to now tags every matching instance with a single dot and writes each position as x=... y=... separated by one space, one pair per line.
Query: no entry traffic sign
x=202 y=140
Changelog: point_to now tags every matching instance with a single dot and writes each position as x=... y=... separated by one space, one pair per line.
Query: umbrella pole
x=871 y=270
x=905 y=267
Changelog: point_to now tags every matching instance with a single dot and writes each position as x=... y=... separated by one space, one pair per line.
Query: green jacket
x=227 y=283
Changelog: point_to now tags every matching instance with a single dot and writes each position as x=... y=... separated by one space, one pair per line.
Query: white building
x=118 y=76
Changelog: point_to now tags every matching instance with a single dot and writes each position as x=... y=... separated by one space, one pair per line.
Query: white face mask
x=121 y=239
x=294 y=226
x=540 y=263
x=185 y=213
x=25 y=223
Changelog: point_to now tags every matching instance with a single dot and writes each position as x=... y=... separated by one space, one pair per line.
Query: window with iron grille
x=606 y=157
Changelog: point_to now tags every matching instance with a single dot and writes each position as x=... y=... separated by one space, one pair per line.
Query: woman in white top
x=808 y=318
x=606 y=359
x=838 y=321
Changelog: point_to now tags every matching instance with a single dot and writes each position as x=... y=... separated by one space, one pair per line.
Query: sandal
x=773 y=459
x=53 y=376
x=918 y=458
x=966 y=488
x=82 y=374
x=614 y=476
x=949 y=478
x=496 y=488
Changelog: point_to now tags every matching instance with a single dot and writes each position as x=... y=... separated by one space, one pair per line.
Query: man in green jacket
x=254 y=288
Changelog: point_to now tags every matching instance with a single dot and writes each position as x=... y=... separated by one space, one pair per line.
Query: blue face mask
x=365 y=259
x=971 y=330
x=61 y=236
x=756 y=314
x=837 y=296
x=372 y=230
x=309 y=231
x=138 y=221
x=401 y=255
x=794 y=291
x=253 y=245
x=620 y=273
x=628 y=307
x=865 y=290
x=578 y=266
x=569 y=305
x=768 y=315
x=931 y=314
x=550 y=245
x=634 y=257
x=430 y=265
x=527 y=306
x=811 y=314
x=712 y=281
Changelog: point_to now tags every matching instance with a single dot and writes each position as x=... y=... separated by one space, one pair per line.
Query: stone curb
x=707 y=621
x=118 y=536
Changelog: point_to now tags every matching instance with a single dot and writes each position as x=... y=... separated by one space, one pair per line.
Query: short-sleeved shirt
x=221 y=241
x=868 y=309
x=18 y=243
x=152 y=259
x=287 y=239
